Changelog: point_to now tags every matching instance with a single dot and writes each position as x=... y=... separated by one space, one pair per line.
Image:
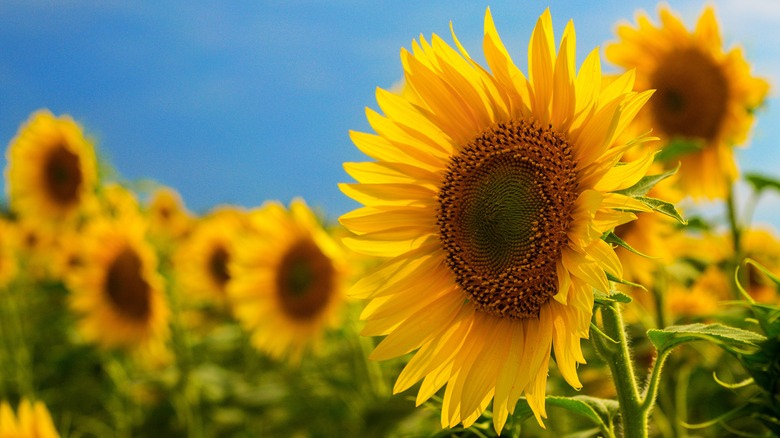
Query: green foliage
x=727 y=337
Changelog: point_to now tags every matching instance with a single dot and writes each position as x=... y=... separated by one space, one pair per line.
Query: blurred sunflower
x=51 y=172
x=490 y=193
x=763 y=246
x=31 y=421
x=168 y=218
x=118 y=201
x=118 y=293
x=201 y=261
x=287 y=280
x=704 y=96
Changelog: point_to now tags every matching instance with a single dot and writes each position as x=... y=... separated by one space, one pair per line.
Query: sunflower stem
x=736 y=238
x=633 y=417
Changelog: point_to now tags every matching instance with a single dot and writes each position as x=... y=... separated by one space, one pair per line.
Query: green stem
x=634 y=419
x=736 y=238
x=651 y=391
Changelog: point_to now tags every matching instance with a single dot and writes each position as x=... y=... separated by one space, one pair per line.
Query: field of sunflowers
x=527 y=259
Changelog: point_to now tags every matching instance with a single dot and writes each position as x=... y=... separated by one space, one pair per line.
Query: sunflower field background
x=260 y=220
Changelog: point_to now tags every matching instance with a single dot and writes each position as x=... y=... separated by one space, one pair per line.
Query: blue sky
x=240 y=102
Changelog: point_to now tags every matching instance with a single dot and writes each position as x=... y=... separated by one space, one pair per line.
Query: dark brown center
x=305 y=280
x=504 y=210
x=126 y=288
x=218 y=266
x=62 y=176
x=691 y=95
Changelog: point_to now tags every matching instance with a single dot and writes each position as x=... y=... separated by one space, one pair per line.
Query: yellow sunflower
x=489 y=193
x=31 y=421
x=201 y=261
x=118 y=293
x=169 y=220
x=52 y=172
x=287 y=280
x=705 y=96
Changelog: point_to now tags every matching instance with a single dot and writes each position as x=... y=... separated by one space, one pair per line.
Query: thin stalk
x=651 y=392
x=736 y=238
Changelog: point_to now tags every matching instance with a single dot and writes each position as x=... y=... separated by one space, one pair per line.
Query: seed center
x=691 y=95
x=504 y=211
x=218 y=266
x=305 y=280
x=62 y=176
x=127 y=290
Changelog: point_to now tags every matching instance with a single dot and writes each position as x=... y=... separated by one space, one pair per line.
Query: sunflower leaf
x=646 y=183
x=599 y=410
x=662 y=207
x=677 y=148
x=611 y=237
x=724 y=336
x=762 y=182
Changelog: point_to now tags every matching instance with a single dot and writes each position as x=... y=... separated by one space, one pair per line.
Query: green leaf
x=611 y=237
x=614 y=297
x=599 y=410
x=762 y=182
x=646 y=183
x=725 y=336
x=677 y=148
x=662 y=207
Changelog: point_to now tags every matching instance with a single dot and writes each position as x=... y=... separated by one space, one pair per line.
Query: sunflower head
x=286 y=279
x=705 y=95
x=488 y=194
x=202 y=260
x=52 y=172
x=117 y=292
x=168 y=218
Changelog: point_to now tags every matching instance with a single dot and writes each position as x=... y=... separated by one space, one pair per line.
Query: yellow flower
x=287 y=280
x=704 y=95
x=118 y=293
x=202 y=259
x=168 y=219
x=489 y=193
x=51 y=171
x=33 y=421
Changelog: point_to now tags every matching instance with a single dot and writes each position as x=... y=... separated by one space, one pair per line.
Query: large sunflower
x=705 y=96
x=117 y=292
x=31 y=421
x=286 y=284
x=490 y=193
x=51 y=173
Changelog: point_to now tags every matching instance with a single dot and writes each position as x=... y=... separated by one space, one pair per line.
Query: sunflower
x=51 y=171
x=201 y=261
x=32 y=421
x=705 y=97
x=117 y=292
x=489 y=194
x=287 y=280
x=169 y=220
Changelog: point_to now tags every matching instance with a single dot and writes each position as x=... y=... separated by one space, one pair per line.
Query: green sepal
x=678 y=147
x=662 y=207
x=611 y=237
x=614 y=297
x=646 y=183
x=614 y=279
